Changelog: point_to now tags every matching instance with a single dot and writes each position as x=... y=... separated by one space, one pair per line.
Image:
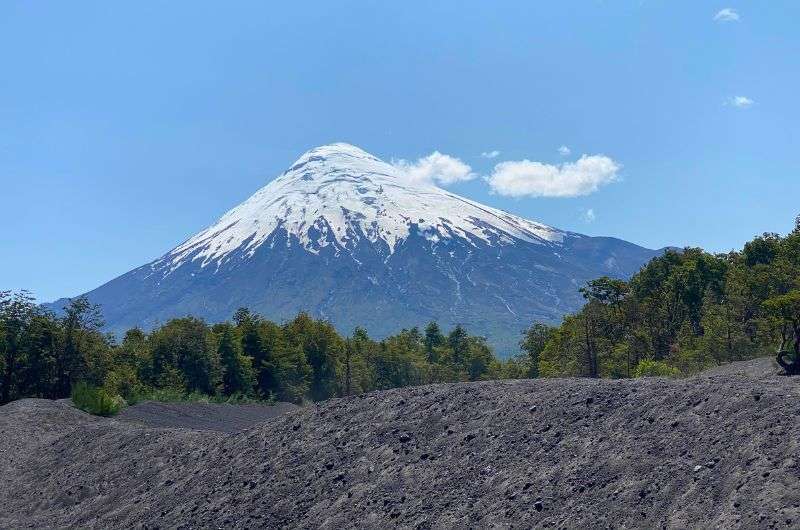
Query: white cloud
x=571 y=179
x=564 y=150
x=741 y=102
x=436 y=167
x=490 y=154
x=589 y=216
x=727 y=15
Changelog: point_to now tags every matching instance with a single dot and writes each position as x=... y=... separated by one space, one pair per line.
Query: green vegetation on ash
x=683 y=312
x=247 y=360
x=95 y=400
x=686 y=311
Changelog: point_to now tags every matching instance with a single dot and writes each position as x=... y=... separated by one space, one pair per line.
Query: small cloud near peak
x=435 y=168
x=490 y=154
x=740 y=102
x=564 y=150
x=526 y=178
x=727 y=15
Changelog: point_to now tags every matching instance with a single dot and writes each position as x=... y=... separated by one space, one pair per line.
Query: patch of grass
x=650 y=368
x=172 y=395
x=96 y=400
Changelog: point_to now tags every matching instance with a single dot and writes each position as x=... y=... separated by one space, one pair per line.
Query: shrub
x=650 y=368
x=96 y=400
x=173 y=395
x=122 y=381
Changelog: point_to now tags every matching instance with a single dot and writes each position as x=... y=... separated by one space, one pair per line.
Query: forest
x=247 y=358
x=684 y=311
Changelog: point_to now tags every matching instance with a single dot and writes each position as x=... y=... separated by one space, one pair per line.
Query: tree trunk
x=790 y=360
x=7 y=377
x=348 y=376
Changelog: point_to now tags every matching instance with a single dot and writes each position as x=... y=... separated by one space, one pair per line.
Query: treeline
x=42 y=355
x=683 y=312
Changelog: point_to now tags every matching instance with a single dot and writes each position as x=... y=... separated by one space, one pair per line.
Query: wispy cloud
x=741 y=102
x=490 y=154
x=436 y=167
x=727 y=15
x=589 y=216
x=525 y=178
x=564 y=150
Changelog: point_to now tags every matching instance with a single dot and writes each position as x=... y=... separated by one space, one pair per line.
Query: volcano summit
x=345 y=236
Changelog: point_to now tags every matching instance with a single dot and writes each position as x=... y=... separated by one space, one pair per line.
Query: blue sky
x=124 y=129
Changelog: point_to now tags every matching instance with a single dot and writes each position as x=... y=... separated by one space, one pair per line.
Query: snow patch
x=333 y=193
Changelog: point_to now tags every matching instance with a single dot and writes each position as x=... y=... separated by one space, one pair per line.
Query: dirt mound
x=203 y=416
x=717 y=450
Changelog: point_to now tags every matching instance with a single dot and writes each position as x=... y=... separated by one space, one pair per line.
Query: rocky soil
x=202 y=416
x=719 y=450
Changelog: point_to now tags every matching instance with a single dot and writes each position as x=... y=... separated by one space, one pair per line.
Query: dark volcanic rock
x=455 y=455
x=203 y=416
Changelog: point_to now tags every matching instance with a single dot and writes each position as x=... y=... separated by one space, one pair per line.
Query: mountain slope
x=346 y=236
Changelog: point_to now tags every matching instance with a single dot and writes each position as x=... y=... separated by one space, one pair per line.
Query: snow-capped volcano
x=348 y=237
x=339 y=194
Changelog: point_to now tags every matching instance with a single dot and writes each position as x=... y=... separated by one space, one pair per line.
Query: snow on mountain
x=343 y=192
x=349 y=238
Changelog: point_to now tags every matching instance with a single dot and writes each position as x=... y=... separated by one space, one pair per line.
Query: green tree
x=38 y=375
x=458 y=341
x=184 y=354
x=323 y=349
x=480 y=360
x=84 y=348
x=533 y=343
x=16 y=312
x=398 y=362
x=434 y=339
x=237 y=374
x=356 y=350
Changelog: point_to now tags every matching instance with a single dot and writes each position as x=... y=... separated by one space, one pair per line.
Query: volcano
x=347 y=237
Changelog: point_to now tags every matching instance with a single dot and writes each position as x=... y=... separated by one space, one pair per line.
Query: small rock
x=404 y=437
x=538 y=506
x=698 y=468
x=532 y=409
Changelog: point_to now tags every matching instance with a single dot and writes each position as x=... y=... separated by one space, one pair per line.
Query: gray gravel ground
x=203 y=416
x=719 y=450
